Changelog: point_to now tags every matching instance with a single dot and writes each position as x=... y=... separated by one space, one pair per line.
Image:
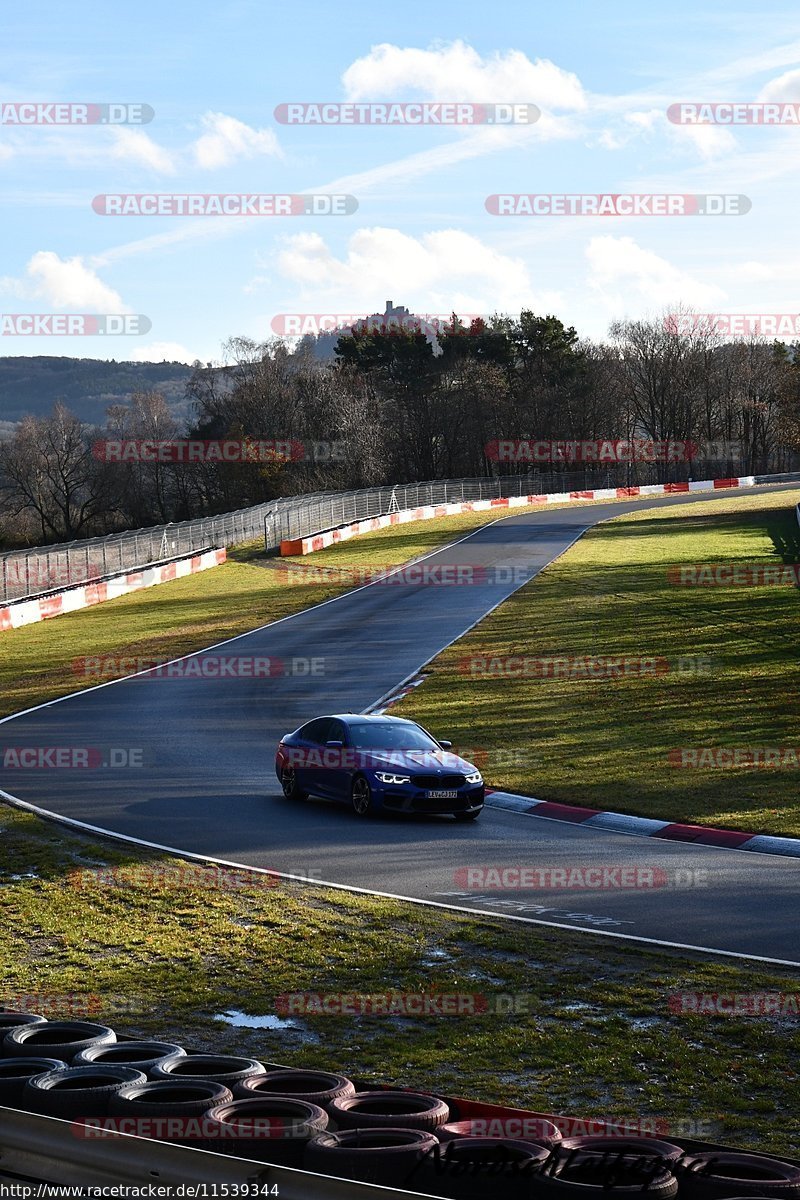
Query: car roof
x=373 y=718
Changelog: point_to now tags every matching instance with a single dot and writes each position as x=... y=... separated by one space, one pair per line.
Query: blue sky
x=602 y=75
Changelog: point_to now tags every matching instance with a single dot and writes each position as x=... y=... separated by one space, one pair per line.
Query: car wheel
x=468 y=816
x=289 y=784
x=361 y=796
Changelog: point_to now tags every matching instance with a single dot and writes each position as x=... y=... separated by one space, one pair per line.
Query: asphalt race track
x=206 y=782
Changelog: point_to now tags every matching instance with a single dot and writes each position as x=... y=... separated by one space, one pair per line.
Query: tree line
x=401 y=404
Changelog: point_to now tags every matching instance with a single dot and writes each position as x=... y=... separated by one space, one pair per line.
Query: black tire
x=15 y=1073
x=473 y=1168
x=631 y=1147
x=361 y=800
x=141 y=1055
x=77 y=1091
x=389 y=1110
x=384 y=1156
x=468 y=816
x=272 y=1129
x=56 y=1039
x=10 y=1020
x=536 y=1130
x=289 y=785
x=169 y=1110
x=580 y=1176
x=315 y=1087
x=216 y=1068
x=723 y=1173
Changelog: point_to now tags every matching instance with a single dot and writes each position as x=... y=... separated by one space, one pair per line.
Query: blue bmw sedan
x=376 y=762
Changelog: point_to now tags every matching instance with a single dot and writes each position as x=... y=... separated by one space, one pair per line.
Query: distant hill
x=31 y=386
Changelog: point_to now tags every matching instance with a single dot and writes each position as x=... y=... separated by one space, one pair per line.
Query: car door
x=337 y=771
x=310 y=747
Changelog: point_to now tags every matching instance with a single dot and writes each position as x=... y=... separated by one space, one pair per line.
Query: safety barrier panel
x=318 y=541
x=27 y=612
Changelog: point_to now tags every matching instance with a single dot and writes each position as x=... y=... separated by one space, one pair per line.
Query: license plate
x=443 y=795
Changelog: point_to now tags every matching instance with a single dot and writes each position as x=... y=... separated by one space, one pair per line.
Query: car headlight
x=386 y=778
x=475 y=778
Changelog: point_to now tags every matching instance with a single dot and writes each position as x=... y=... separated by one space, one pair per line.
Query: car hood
x=429 y=762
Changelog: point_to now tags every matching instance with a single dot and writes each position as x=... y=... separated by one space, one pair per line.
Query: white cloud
x=783 y=87
x=161 y=351
x=133 y=145
x=227 y=140
x=457 y=72
x=625 y=273
x=633 y=125
x=5 y=152
x=764 y=60
x=711 y=141
x=65 y=283
x=449 y=268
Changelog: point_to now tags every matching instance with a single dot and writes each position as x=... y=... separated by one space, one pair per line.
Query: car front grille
x=438 y=781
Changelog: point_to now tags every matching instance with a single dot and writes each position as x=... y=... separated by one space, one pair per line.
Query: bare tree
x=49 y=470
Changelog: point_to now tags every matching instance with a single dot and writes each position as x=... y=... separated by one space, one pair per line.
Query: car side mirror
x=335 y=745
x=445 y=744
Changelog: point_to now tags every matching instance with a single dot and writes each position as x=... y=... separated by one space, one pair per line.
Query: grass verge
x=730 y=657
x=161 y=948
x=164 y=622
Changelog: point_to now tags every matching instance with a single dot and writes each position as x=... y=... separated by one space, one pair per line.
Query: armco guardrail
x=45 y=1150
x=32 y=609
x=33 y=572
x=41 y=569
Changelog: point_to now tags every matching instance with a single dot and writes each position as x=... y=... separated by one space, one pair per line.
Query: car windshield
x=372 y=736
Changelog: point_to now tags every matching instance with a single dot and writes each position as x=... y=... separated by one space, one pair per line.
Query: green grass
x=194 y=612
x=197 y=611
x=161 y=953
x=167 y=946
x=606 y=743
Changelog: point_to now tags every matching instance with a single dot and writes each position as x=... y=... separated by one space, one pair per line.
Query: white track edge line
x=258 y=629
x=488 y=613
x=72 y=822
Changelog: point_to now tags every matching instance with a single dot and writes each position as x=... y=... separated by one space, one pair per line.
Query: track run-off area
x=190 y=768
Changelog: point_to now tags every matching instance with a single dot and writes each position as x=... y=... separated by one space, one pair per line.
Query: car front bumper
x=416 y=800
